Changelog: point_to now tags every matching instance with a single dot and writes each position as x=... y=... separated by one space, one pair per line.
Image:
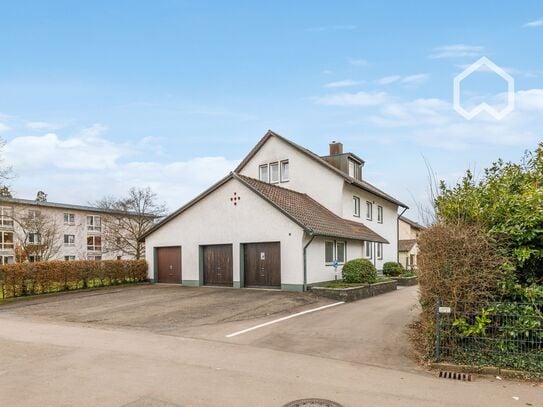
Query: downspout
x=398 y=236
x=305 y=261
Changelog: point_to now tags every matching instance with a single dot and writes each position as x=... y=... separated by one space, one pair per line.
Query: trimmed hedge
x=393 y=269
x=359 y=271
x=22 y=279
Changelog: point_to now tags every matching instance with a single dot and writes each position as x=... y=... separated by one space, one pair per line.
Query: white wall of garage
x=215 y=220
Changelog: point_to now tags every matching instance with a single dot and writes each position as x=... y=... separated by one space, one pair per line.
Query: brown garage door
x=262 y=265
x=169 y=265
x=217 y=265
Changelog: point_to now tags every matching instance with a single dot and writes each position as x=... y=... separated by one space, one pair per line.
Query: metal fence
x=505 y=335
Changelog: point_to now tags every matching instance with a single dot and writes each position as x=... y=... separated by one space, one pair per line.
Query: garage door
x=169 y=265
x=217 y=264
x=262 y=265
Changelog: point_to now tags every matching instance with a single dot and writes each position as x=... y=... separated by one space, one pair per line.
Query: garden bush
x=359 y=271
x=393 y=269
x=52 y=276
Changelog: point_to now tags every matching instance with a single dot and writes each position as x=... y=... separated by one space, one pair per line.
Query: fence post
x=438 y=331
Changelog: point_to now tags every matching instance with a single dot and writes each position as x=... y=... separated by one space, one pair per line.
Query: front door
x=262 y=265
x=169 y=265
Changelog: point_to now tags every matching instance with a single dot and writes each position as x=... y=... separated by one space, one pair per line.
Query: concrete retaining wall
x=406 y=281
x=355 y=293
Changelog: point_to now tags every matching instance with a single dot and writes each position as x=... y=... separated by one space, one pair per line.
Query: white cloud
x=415 y=79
x=342 y=84
x=388 y=79
x=535 y=23
x=43 y=126
x=353 y=99
x=4 y=128
x=456 y=51
x=88 y=166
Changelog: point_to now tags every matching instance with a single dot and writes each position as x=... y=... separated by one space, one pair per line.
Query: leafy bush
x=359 y=271
x=393 y=269
x=21 y=279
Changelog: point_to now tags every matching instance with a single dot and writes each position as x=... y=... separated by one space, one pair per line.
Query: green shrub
x=359 y=271
x=393 y=269
x=21 y=279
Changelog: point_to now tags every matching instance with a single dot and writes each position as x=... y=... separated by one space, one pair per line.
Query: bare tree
x=38 y=235
x=5 y=174
x=129 y=218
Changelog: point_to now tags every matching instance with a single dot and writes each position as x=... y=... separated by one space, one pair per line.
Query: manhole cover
x=312 y=403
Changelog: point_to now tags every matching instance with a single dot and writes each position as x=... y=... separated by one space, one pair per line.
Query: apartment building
x=37 y=230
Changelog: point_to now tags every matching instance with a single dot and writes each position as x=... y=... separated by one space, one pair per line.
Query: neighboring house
x=407 y=245
x=282 y=219
x=40 y=230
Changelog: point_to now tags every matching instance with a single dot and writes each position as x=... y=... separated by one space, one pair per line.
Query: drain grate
x=313 y=403
x=466 y=377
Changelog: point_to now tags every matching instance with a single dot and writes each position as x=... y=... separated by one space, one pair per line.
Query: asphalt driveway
x=170 y=346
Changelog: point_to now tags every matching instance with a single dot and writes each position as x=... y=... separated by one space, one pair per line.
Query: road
x=355 y=354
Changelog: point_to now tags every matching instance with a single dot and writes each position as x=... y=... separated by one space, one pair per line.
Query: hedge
x=22 y=279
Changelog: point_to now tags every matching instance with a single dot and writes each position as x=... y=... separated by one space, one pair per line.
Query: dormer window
x=263 y=174
x=354 y=169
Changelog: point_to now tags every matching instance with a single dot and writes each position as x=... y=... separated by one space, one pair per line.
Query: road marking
x=284 y=319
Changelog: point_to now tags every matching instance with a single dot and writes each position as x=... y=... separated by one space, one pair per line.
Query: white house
x=408 y=248
x=282 y=219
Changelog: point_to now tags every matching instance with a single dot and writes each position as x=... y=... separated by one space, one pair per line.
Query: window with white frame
x=274 y=172
x=33 y=214
x=368 y=246
x=369 y=210
x=356 y=206
x=69 y=218
x=34 y=258
x=94 y=223
x=329 y=254
x=7 y=260
x=69 y=258
x=379 y=250
x=379 y=214
x=95 y=258
x=69 y=240
x=284 y=171
x=340 y=251
x=94 y=243
x=34 y=238
x=6 y=216
x=263 y=174
x=7 y=240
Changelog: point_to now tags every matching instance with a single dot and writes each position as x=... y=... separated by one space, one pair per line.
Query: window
x=33 y=258
x=6 y=216
x=69 y=218
x=340 y=252
x=274 y=172
x=69 y=240
x=380 y=214
x=263 y=173
x=354 y=169
x=380 y=251
x=356 y=206
x=32 y=214
x=95 y=258
x=69 y=258
x=368 y=246
x=334 y=251
x=34 y=238
x=369 y=210
x=94 y=243
x=284 y=171
x=7 y=240
x=94 y=223
x=329 y=252
x=7 y=260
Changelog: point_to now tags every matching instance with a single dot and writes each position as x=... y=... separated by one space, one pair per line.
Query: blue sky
x=172 y=94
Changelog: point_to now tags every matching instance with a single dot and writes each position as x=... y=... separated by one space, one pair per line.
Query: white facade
x=78 y=231
x=212 y=219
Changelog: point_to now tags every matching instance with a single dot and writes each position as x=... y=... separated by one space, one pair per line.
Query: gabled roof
x=361 y=184
x=309 y=214
x=406 y=245
x=300 y=208
x=412 y=223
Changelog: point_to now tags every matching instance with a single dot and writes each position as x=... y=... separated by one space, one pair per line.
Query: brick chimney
x=336 y=148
